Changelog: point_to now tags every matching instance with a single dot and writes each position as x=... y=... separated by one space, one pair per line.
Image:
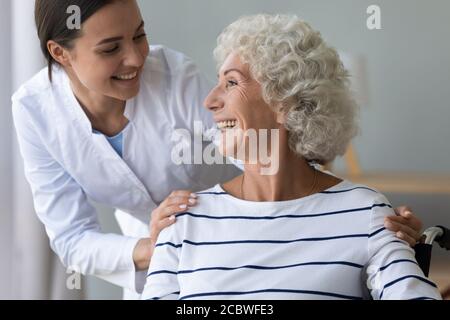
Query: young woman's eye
x=231 y=83
x=112 y=50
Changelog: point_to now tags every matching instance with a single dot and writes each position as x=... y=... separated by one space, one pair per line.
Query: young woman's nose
x=134 y=56
x=213 y=101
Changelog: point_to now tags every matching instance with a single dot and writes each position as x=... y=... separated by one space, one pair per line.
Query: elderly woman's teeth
x=226 y=124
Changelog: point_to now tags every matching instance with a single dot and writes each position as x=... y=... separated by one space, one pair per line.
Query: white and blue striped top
x=330 y=245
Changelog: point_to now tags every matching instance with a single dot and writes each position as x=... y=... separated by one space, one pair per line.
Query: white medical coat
x=67 y=165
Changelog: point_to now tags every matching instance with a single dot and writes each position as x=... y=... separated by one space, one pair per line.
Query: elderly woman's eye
x=231 y=83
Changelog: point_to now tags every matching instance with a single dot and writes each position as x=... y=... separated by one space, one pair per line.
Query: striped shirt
x=330 y=245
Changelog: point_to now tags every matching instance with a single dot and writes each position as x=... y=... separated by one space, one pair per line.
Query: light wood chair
x=395 y=182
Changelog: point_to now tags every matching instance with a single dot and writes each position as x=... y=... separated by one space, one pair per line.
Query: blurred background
x=401 y=77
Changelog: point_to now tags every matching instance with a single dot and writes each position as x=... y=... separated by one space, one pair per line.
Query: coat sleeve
x=393 y=272
x=69 y=219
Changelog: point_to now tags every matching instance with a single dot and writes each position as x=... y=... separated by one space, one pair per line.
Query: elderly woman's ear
x=280 y=113
x=281 y=117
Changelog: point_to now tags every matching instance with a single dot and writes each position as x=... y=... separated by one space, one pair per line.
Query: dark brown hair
x=51 y=23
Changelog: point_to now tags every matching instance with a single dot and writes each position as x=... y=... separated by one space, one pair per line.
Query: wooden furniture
x=396 y=182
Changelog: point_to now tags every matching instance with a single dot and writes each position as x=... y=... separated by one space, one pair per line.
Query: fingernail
x=193 y=195
x=183 y=206
x=388 y=224
x=192 y=201
x=408 y=214
x=171 y=218
x=399 y=234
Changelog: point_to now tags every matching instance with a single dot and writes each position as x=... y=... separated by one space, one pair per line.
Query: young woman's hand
x=162 y=217
x=405 y=224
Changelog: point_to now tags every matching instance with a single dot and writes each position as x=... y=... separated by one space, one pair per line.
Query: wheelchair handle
x=439 y=234
x=444 y=239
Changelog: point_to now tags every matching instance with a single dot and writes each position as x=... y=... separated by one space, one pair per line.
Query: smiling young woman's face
x=109 y=56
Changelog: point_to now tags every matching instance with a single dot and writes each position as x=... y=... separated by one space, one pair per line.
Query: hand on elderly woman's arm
x=162 y=217
x=405 y=224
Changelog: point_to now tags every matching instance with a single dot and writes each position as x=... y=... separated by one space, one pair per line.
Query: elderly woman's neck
x=294 y=179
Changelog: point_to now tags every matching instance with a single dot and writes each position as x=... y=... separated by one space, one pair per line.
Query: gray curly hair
x=300 y=73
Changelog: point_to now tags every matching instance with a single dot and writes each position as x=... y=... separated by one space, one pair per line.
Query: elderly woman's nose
x=213 y=102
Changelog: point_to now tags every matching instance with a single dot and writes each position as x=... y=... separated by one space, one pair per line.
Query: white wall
x=29 y=241
x=5 y=158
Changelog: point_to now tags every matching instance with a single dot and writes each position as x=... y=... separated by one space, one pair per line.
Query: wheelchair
x=423 y=249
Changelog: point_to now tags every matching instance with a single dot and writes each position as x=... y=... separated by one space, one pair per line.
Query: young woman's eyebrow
x=113 y=39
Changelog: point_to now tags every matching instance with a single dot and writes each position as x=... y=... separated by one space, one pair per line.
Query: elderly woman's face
x=238 y=105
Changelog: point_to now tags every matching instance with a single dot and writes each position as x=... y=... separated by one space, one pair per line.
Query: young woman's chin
x=124 y=91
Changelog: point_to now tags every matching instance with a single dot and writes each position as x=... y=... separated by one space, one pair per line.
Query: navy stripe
x=348 y=190
x=159 y=298
x=398 y=241
x=323 y=192
x=261 y=241
x=376 y=232
x=404 y=278
x=273 y=241
x=194 y=215
x=213 y=193
x=169 y=244
x=422 y=298
x=227 y=293
x=351 y=264
x=397 y=261
x=162 y=272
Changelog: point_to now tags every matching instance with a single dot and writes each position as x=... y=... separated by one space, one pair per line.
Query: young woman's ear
x=59 y=53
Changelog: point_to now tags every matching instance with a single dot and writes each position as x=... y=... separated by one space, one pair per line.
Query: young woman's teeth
x=130 y=76
x=226 y=124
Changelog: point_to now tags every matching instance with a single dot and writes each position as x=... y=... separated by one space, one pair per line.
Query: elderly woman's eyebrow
x=230 y=70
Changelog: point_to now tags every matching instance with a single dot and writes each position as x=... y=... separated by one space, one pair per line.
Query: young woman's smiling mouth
x=126 y=76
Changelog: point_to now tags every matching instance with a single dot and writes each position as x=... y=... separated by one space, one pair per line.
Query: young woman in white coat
x=97 y=125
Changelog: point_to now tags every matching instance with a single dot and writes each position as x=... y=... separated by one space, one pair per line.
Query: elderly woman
x=297 y=233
